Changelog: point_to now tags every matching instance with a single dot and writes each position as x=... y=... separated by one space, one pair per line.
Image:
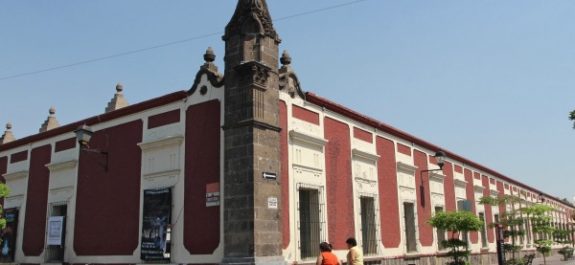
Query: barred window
x=309 y=222
x=368 y=225
x=409 y=217
x=483 y=231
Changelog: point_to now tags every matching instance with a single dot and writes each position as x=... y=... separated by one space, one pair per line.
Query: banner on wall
x=55 y=229
x=156 y=222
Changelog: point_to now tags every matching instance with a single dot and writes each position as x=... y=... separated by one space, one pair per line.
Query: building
x=243 y=168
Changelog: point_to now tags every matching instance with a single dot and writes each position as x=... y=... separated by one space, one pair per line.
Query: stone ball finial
x=9 y=126
x=286 y=58
x=209 y=56
x=52 y=110
x=119 y=87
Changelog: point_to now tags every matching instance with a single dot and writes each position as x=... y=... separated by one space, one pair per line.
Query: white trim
x=62 y=165
x=156 y=144
x=306 y=138
x=16 y=175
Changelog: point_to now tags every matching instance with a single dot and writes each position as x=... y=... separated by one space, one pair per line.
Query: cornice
x=306 y=138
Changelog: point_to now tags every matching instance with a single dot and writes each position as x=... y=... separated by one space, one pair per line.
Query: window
x=309 y=222
x=464 y=205
x=409 y=218
x=440 y=232
x=483 y=231
x=368 y=225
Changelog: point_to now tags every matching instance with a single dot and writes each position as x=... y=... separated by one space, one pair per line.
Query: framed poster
x=55 y=229
x=156 y=222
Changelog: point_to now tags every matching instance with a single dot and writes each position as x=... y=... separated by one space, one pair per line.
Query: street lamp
x=83 y=135
x=440 y=159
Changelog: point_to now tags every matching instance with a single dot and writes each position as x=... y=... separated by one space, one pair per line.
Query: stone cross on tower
x=252 y=228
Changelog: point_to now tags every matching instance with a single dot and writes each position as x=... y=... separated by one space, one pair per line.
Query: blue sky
x=492 y=81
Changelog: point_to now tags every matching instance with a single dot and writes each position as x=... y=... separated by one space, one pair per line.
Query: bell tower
x=252 y=194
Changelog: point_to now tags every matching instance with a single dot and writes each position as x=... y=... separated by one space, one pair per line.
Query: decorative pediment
x=288 y=80
x=436 y=176
x=62 y=165
x=406 y=168
x=161 y=143
x=459 y=182
x=306 y=138
x=478 y=188
x=372 y=158
x=16 y=175
x=210 y=70
x=494 y=193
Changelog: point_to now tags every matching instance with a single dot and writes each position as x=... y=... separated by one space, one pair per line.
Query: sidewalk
x=553 y=260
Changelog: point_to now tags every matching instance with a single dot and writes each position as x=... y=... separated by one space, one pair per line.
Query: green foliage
x=544 y=246
x=511 y=248
x=572 y=117
x=561 y=236
x=518 y=261
x=489 y=200
x=456 y=222
x=4 y=191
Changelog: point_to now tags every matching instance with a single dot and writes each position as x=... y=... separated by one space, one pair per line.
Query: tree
x=4 y=191
x=572 y=117
x=512 y=221
x=541 y=223
x=456 y=223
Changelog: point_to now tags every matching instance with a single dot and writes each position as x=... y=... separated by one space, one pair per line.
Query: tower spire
x=250 y=18
x=252 y=230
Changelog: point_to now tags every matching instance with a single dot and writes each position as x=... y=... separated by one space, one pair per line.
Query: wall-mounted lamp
x=440 y=159
x=83 y=135
x=541 y=198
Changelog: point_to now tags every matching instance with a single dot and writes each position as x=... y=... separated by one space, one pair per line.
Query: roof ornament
x=251 y=17
x=8 y=136
x=288 y=79
x=211 y=70
x=51 y=122
x=118 y=101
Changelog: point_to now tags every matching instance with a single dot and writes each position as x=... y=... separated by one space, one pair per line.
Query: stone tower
x=252 y=197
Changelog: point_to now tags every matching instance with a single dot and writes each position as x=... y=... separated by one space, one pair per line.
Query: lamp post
x=440 y=159
x=83 y=136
